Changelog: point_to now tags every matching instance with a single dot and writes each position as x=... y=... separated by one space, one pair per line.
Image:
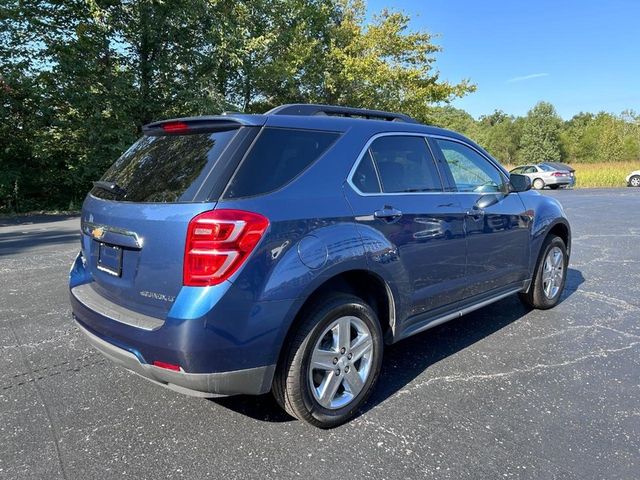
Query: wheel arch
x=364 y=284
x=560 y=227
x=562 y=230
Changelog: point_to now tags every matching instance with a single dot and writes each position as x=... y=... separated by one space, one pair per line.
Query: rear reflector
x=218 y=243
x=167 y=366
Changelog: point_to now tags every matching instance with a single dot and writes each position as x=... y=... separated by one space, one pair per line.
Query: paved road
x=503 y=392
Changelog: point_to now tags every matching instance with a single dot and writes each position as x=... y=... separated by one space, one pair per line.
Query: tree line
x=542 y=135
x=79 y=79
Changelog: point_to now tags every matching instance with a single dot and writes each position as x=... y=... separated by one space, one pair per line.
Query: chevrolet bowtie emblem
x=97 y=233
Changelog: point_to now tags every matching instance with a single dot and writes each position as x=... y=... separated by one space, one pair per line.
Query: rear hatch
x=135 y=219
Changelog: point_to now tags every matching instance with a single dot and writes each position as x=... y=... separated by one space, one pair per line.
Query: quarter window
x=278 y=156
x=365 y=177
x=404 y=165
x=471 y=171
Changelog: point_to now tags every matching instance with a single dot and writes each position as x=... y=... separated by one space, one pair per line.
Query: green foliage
x=383 y=65
x=455 y=119
x=540 y=140
x=79 y=78
x=542 y=135
x=501 y=135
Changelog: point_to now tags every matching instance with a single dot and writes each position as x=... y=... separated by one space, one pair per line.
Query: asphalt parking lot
x=501 y=393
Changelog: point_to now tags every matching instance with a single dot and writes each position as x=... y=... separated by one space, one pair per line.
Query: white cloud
x=527 y=77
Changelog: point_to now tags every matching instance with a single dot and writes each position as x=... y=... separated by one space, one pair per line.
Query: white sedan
x=542 y=175
x=633 y=179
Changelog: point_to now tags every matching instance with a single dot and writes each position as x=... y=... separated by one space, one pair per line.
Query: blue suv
x=242 y=254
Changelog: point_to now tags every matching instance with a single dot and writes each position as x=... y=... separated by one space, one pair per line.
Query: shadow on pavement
x=34 y=219
x=407 y=359
x=14 y=242
x=574 y=280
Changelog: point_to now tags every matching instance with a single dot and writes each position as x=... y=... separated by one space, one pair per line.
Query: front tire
x=538 y=184
x=634 y=181
x=332 y=363
x=550 y=275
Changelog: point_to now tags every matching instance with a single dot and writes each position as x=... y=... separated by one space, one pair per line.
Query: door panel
x=423 y=230
x=497 y=243
x=496 y=223
x=427 y=241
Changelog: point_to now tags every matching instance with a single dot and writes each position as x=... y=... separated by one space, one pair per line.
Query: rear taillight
x=558 y=174
x=218 y=242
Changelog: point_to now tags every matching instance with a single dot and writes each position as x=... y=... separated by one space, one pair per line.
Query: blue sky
x=579 y=55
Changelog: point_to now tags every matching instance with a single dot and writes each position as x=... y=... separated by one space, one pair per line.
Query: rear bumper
x=559 y=181
x=251 y=381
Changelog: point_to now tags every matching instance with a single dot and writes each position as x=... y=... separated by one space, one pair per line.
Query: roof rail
x=333 y=110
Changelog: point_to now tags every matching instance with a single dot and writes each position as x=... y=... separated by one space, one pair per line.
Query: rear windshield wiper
x=112 y=187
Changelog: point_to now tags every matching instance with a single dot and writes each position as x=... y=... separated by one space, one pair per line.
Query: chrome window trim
x=364 y=151
x=375 y=168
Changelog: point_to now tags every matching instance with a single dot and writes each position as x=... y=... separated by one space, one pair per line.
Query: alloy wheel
x=341 y=362
x=553 y=273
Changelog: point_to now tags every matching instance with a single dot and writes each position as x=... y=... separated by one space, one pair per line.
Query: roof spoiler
x=187 y=125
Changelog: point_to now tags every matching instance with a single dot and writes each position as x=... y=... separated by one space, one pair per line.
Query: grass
x=601 y=175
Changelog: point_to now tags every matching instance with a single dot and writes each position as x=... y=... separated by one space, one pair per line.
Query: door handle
x=476 y=213
x=388 y=214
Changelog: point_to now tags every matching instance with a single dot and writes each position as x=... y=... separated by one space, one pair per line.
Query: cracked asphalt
x=503 y=392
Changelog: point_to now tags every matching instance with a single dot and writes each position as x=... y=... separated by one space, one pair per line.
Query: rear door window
x=405 y=164
x=277 y=157
x=163 y=169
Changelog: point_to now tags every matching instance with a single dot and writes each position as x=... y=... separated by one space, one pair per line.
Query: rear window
x=167 y=168
x=277 y=157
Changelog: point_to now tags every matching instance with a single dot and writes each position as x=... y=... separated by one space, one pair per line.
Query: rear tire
x=550 y=275
x=332 y=362
x=634 y=181
x=538 y=184
x=554 y=187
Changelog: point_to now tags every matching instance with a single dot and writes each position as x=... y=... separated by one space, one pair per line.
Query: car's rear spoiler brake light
x=203 y=124
x=181 y=127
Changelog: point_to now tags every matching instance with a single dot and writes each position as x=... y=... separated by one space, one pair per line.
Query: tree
x=610 y=143
x=78 y=79
x=383 y=65
x=455 y=119
x=500 y=135
x=541 y=135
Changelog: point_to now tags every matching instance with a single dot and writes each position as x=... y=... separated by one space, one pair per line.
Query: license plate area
x=110 y=259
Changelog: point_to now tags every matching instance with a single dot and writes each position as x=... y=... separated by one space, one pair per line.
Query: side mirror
x=519 y=183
